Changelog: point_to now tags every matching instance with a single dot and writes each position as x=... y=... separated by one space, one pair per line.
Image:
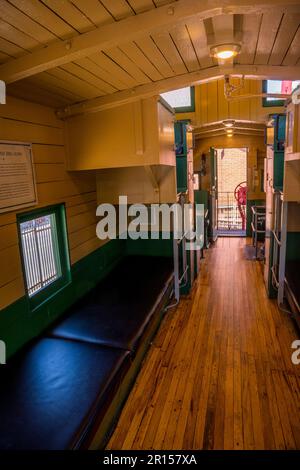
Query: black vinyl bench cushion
x=50 y=392
x=292 y=275
x=117 y=311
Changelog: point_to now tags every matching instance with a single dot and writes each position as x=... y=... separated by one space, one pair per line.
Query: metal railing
x=228 y=214
x=180 y=255
x=38 y=253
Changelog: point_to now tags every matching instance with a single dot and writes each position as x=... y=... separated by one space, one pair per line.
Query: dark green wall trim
x=18 y=324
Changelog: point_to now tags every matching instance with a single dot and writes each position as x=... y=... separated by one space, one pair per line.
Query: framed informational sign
x=17 y=180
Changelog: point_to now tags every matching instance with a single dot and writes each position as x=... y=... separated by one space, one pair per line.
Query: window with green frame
x=182 y=100
x=44 y=252
x=285 y=87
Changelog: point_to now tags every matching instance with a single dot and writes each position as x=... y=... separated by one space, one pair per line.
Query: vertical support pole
x=282 y=256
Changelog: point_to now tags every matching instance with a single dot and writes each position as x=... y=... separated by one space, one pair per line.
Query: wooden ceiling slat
x=168 y=49
x=112 y=68
x=150 y=50
x=119 y=9
x=121 y=59
x=89 y=77
x=293 y=54
x=76 y=84
x=137 y=56
x=40 y=13
x=69 y=13
x=21 y=21
x=4 y=57
x=267 y=35
x=159 y=3
x=94 y=11
x=94 y=68
x=10 y=49
x=183 y=43
x=251 y=26
x=12 y=34
x=26 y=90
x=139 y=6
x=58 y=87
x=286 y=33
x=198 y=36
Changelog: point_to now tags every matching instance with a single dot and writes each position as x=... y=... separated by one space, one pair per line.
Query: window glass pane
x=39 y=252
x=180 y=98
x=281 y=86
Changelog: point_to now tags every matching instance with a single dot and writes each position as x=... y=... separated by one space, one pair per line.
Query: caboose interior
x=141 y=343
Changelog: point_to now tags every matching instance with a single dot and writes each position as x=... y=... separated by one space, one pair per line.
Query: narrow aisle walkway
x=219 y=374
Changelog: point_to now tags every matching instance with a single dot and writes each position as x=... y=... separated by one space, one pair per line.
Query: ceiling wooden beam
x=173 y=83
x=113 y=34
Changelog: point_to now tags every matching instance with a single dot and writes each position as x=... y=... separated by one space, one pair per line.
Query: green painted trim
x=293 y=246
x=18 y=324
x=270 y=104
x=61 y=252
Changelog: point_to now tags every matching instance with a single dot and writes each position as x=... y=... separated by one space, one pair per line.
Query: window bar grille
x=38 y=249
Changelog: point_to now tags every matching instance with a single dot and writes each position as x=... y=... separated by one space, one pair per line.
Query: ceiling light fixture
x=225 y=51
x=229 y=122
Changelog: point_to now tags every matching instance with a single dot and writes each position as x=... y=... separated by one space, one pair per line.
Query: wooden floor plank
x=218 y=374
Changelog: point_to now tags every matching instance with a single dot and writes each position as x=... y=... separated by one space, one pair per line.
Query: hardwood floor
x=219 y=374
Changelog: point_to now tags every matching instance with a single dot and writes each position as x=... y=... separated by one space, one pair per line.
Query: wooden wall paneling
x=48 y=172
x=24 y=131
x=11 y=291
x=85 y=248
x=222 y=102
x=150 y=49
x=244 y=105
x=212 y=108
x=169 y=50
x=10 y=258
x=185 y=48
x=21 y=110
x=8 y=236
x=25 y=121
x=234 y=105
x=289 y=25
x=203 y=103
x=142 y=61
x=267 y=35
x=293 y=54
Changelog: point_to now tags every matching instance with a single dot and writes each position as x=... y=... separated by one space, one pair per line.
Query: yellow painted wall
x=211 y=105
x=27 y=122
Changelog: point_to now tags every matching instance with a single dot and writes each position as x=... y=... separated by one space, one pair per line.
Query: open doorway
x=232 y=191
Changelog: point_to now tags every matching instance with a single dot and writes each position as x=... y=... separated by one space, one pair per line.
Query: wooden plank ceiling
x=29 y=25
